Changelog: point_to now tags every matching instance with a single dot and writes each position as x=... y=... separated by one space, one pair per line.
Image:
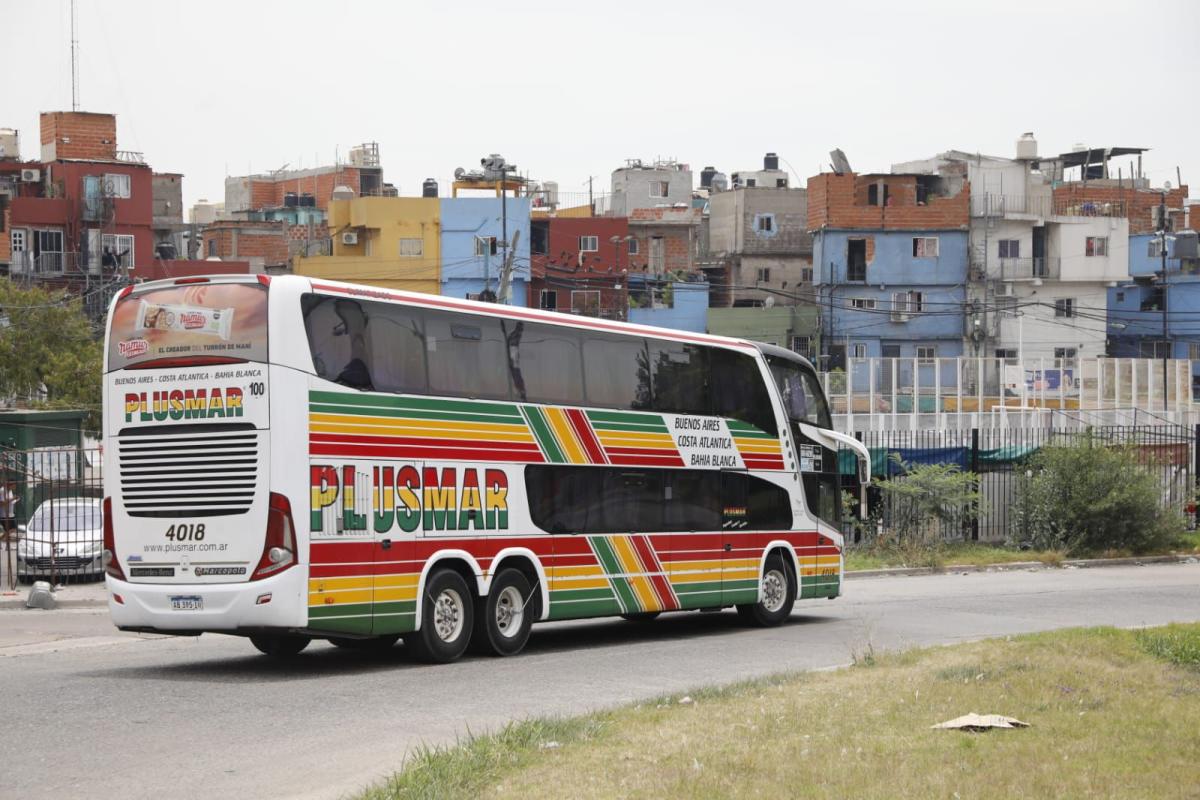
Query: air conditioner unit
x=1007 y=290
x=31 y=175
x=350 y=237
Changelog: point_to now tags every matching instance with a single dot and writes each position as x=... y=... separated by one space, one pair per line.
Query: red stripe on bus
x=421 y=441
x=643 y=461
x=586 y=437
x=411 y=453
x=662 y=586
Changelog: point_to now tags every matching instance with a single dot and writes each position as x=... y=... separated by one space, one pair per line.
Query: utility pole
x=1162 y=247
x=504 y=208
x=74 y=61
x=505 y=289
x=591 y=203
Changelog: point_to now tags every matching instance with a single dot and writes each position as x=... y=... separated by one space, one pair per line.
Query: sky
x=569 y=90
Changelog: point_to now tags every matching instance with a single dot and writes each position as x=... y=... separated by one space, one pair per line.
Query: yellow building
x=390 y=242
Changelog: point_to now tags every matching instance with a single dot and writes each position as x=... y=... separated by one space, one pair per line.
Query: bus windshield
x=211 y=321
x=800 y=392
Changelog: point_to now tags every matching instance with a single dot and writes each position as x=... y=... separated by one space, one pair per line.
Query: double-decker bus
x=290 y=459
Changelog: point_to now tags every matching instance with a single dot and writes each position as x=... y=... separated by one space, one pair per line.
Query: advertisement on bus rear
x=205 y=320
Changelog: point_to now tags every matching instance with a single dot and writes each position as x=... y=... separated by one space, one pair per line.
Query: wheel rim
x=774 y=590
x=510 y=612
x=448 y=614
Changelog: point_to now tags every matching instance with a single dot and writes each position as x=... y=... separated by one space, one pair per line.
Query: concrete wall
x=1066 y=239
x=1087 y=331
x=889 y=257
x=773 y=325
x=631 y=188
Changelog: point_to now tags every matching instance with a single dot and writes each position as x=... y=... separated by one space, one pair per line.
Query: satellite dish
x=1167 y=185
x=459 y=172
x=841 y=165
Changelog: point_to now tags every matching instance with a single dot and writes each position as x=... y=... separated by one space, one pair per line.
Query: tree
x=49 y=353
x=923 y=497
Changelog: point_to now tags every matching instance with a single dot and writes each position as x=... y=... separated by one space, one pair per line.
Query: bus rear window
x=219 y=321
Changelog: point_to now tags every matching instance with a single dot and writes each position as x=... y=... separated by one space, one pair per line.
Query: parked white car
x=64 y=537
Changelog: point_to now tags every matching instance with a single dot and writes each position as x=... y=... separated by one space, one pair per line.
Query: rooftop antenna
x=74 y=61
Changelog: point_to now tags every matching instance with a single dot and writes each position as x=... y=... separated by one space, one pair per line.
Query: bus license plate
x=191 y=602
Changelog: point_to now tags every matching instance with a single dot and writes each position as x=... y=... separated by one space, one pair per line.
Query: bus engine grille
x=199 y=474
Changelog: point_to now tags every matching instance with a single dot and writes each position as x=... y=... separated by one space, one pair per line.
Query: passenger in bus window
x=354 y=325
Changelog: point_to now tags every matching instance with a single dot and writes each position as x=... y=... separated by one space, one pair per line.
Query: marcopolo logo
x=183 y=404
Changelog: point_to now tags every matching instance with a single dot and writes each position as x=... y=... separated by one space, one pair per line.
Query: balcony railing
x=50 y=265
x=1024 y=269
x=131 y=156
x=1001 y=205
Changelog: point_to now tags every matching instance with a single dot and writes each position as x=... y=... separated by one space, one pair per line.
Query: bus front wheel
x=447 y=618
x=776 y=595
x=504 y=619
x=280 y=646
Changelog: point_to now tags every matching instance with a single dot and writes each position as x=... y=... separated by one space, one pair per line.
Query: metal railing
x=1001 y=205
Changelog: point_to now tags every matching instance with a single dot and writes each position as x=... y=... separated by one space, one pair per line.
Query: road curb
x=1077 y=563
x=11 y=603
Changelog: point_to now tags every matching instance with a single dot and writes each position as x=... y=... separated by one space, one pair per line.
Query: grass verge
x=1114 y=714
x=951 y=554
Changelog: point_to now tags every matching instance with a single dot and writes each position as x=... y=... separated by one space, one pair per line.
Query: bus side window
x=633 y=500
x=692 y=501
x=759 y=504
x=738 y=391
x=396 y=335
x=680 y=377
x=329 y=338
x=618 y=372
x=545 y=363
x=467 y=355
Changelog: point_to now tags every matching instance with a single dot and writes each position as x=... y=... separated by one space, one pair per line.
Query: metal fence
x=57 y=531
x=1001 y=459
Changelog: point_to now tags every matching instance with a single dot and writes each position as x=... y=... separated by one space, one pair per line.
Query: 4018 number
x=183 y=532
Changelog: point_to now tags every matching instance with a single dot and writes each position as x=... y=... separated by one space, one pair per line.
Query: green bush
x=1088 y=497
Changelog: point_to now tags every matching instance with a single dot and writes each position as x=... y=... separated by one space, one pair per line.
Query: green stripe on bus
x=339 y=610
x=573 y=595
x=745 y=430
x=416 y=403
x=626 y=418
x=612 y=565
x=591 y=608
x=541 y=430
x=440 y=416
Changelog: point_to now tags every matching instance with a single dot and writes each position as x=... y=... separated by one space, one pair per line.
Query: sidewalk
x=71 y=595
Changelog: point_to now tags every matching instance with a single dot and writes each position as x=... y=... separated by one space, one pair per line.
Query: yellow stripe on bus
x=386 y=422
x=635 y=439
x=756 y=446
x=633 y=567
x=585 y=569
x=559 y=584
x=566 y=436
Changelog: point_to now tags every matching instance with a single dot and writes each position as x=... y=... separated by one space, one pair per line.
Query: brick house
x=576 y=266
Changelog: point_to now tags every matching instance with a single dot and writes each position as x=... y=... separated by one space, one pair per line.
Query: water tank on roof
x=706 y=176
x=719 y=182
x=1027 y=147
x=770 y=161
x=290 y=200
x=429 y=188
x=308 y=201
x=343 y=192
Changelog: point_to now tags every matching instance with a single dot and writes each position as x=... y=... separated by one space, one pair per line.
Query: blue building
x=472 y=247
x=890 y=266
x=682 y=305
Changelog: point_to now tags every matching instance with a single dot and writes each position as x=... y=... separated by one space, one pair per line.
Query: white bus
x=291 y=459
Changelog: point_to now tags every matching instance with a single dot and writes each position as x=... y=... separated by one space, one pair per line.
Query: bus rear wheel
x=447 y=618
x=776 y=595
x=280 y=646
x=504 y=619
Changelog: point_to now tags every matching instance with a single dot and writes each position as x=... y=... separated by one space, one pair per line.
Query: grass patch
x=1109 y=717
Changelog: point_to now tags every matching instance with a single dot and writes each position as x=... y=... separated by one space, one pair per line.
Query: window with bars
x=589 y=244
x=1009 y=248
x=1096 y=246
x=1064 y=307
x=862 y=303
x=926 y=354
x=925 y=247
x=485 y=245
x=412 y=248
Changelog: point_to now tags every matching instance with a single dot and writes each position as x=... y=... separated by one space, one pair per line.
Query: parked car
x=64 y=538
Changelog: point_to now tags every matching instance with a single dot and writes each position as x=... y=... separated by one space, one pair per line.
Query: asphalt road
x=89 y=711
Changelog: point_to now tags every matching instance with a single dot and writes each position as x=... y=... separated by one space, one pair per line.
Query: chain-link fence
x=51 y=502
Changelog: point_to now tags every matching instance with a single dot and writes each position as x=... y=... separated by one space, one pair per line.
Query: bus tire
x=377 y=644
x=504 y=618
x=280 y=646
x=777 y=595
x=447 y=619
x=643 y=616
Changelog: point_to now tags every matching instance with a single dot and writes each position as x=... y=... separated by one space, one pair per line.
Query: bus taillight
x=112 y=565
x=279 y=550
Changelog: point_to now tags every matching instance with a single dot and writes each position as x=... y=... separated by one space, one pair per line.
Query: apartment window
x=116 y=185
x=751 y=183
x=1064 y=307
x=1194 y=351
x=1010 y=248
x=412 y=248
x=926 y=355
x=1064 y=352
x=863 y=303
x=1096 y=246
x=916 y=302
x=806 y=275
x=801 y=345
x=1008 y=354
x=17 y=239
x=633 y=247
x=548 y=300
x=873 y=196
x=589 y=244
x=764 y=223
x=1120 y=297
x=925 y=247
x=781 y=183
x=586 y=303
x=212 y=248
x=1155 y=349
x=1154 y=248
x=764 y=274
x=856 y=259
x=116 y=250
x=660 y=188
x=485 y=245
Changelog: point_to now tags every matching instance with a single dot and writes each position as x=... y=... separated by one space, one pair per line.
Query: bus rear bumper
x=276 y=602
